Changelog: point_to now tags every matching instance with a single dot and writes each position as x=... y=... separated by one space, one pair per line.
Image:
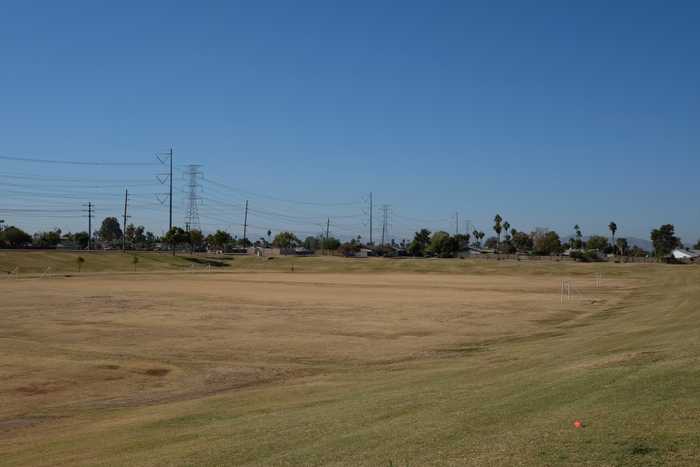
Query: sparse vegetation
x=303 y=370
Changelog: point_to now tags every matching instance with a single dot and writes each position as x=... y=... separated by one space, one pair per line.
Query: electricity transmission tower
x=386 y=220
x=194 y=190
x=166 y=177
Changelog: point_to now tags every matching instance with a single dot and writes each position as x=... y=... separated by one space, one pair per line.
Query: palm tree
x=579 y=236
x=497 y=227
x=506 y=228
x=613 y=228
x=476 y=236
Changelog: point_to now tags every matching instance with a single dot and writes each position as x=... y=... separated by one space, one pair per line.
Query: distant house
x=364 y=253
x=301 y=251
x=686 y=255
x=263 y=252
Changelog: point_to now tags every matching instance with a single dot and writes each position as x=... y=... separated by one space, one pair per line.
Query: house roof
x=681 y=253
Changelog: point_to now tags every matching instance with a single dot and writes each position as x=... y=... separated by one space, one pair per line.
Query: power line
x=282 y=200
x=69 y=162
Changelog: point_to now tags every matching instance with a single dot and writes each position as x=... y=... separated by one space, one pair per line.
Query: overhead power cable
x=69 y=162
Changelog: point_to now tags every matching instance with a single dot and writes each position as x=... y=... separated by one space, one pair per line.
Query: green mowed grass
x=630 y=373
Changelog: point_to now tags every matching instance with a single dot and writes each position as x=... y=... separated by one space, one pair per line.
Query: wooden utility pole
x=245 y=224
x=371 y=209
x=126 y=204
x=90 y=211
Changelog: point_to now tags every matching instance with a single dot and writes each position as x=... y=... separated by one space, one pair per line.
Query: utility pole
x=90 y=211
x=457 y=223
x=328 y=228
x=170 y=223
x=245 y=224
x=126 y=204
x=371 y=208
x=385 y=221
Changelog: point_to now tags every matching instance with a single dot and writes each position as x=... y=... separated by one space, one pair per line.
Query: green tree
x=14 y=237
x=130 y=233
x=110 y=230
x=219 y=239
x=498 y=227
x=597 y=242
x=521 y=241
x=491 y=243
x=622 y=246
x=196 y=239
x=579 y=237
x=285 y=240
x=420 y=242
x=664 y=240
x=546 y=243
x=638 y=252
x=613 y=228
x=330 y=244
x=350 y=248
x=150 y=238
x=135 y=235
x=462 y=241
x=443 y=245
x=478 y=236
x=176 y=236
x=697 y=246
x=506 y=228
x=48 y=239
x=312 y=243
x=81 y=239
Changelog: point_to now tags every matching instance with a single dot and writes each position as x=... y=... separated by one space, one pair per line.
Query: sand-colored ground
x=119 y=354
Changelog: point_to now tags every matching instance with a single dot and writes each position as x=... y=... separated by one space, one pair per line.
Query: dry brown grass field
x=346 y=362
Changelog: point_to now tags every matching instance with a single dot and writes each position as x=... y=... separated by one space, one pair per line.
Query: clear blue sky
x=550 y=113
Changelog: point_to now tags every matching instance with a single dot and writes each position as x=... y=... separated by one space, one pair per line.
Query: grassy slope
x=32 y=262
x=630 y=373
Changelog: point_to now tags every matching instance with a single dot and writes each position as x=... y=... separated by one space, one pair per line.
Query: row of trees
x=424 y=243
x=222 y=239
x=443 y=245
x=109 y=233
